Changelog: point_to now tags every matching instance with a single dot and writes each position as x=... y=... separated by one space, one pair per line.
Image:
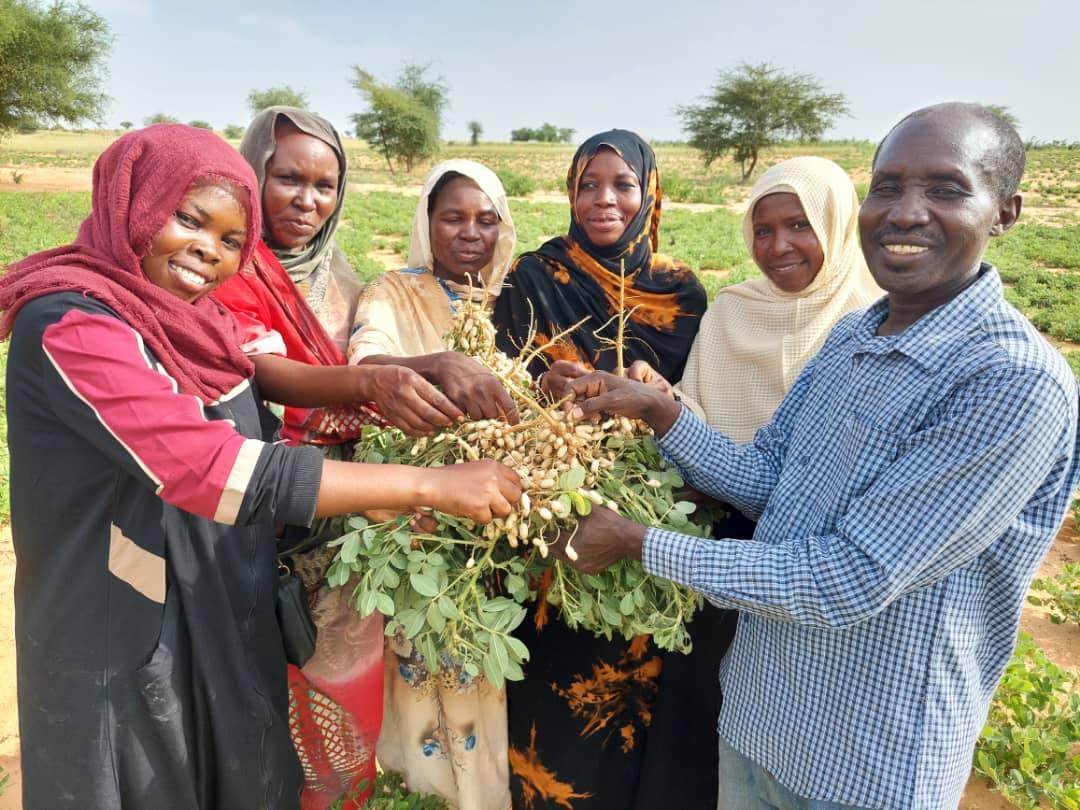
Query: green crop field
x=44 y=182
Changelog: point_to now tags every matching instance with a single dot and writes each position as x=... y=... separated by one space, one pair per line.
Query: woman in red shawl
x=295 y=304
x=144 y=493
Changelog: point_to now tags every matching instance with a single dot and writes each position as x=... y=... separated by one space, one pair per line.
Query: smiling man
x=905 y=491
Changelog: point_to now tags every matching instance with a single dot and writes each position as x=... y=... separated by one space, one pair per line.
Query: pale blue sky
x=592 y=66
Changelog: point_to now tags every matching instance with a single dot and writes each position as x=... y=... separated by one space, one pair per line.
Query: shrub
x=1027 y=746
x=515 y=184
x=1060 y=594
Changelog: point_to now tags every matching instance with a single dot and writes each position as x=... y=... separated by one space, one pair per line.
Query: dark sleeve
x=102 y=384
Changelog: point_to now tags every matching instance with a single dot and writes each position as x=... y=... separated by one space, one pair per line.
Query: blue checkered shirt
x=905 y=491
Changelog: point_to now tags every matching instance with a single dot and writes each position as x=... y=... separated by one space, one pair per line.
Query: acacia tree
x=1005 y=113
x=755 y=106
x=475 y=131
x=403 y=120
x=52 y=62
x=285 y=96
x=160 y=118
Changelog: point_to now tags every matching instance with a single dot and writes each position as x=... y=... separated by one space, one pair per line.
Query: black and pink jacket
x=150 y=667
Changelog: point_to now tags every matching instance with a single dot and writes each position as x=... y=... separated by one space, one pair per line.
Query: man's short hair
x=1004 y=165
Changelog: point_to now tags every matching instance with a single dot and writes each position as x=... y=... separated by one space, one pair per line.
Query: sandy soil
x=1061 y=643
x=45 y=178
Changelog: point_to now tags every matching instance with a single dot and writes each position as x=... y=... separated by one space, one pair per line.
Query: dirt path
x=50 y=178
x=1061 y=643
x=44 y=178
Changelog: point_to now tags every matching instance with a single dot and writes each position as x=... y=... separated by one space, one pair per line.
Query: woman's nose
x=305 y=198
x=205 y=250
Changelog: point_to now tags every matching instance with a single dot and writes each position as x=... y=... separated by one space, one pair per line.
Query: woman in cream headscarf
x=446 y=735
x=452 y=254
x=757 y=336
x=801 y=228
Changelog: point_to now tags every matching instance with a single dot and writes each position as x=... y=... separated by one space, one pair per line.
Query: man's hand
x=602 y=539
x=555 y=382
x=407 y=400
x=471 y=387
x=479 y=490
x=599 y=393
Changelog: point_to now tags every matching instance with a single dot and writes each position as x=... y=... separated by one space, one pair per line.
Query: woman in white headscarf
x=462 y=245
x=446 y=734
x=801 y=228
x=757 y=336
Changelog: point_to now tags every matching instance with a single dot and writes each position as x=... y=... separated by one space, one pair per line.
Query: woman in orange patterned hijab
x=614 y=192
x=579 y=722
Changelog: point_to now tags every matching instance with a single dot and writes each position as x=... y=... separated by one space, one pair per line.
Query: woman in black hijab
x=579 y=722
x=614 y=195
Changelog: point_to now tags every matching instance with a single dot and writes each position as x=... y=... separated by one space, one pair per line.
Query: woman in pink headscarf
x=144 y=494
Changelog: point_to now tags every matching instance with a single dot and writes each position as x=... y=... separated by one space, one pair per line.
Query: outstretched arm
x=955 y=489
x=403 y=396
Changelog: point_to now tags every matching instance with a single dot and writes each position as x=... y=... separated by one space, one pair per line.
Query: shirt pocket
x=863 y=452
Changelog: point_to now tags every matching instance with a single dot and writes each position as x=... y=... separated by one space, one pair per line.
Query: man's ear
x=1007 y=215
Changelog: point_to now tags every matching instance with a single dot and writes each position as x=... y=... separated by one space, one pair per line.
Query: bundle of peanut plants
x=458 y=592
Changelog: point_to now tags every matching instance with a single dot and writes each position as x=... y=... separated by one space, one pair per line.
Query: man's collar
x=933 y=339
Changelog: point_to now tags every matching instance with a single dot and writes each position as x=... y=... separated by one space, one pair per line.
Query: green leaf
x=514 y=671
x=582 y=505
x=435 y=618
x=572 y=478
x=499 y=603
x=423 y=584
x=499 y=650
x=447 y=607
x=385 y=604
x=626 y=604
x=435 y=560
x=412 y=622
x=350 y=549
x=430 y=653
x=391 y=579
x=612 y=617
x=366 y=603
x=337 y=574
x=492 y=671
x=517 y=648
x=686 y=507
x=357 y=522
x=677 y=518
